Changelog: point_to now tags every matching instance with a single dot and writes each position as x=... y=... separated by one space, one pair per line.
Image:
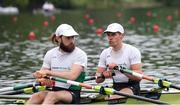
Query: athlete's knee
x=38 y=96
x=51 y=98
x=53 y=95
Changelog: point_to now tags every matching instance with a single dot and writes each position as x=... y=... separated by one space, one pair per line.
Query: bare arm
x=70 y=75
x=135 y=68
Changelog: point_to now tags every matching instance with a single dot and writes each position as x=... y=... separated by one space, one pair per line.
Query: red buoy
x=149 y=14
x=99 y=31
x=91 y=21
x=155 y=28
x=53 y=18
x=169 y=18
x=31 y=36
x=86 y=16
x=45 y=23
x=132 y=20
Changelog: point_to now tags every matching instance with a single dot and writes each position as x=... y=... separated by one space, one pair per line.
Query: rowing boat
x=92 y=97
x=156 y=96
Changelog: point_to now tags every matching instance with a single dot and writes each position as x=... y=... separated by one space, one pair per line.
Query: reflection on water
x=19 y=57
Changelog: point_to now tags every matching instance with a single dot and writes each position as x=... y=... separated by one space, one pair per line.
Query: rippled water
x=19 y=58
x=160 y=56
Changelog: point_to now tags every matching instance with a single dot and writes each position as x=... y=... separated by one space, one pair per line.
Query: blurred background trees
x=89 y=4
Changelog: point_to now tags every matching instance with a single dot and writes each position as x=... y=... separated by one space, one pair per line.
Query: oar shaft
x=7 y=89
x=90 y=78
x=174 y=86
x=140 y=98
x=70 y=82
x=95 y=77
x=147 y=78
x=18 y=87
x=141 y=76
x=12 y=92
x=15 y=96
x=29 y=90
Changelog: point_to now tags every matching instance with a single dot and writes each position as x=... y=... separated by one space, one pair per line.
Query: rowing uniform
x=126 y=56
x=62 y=61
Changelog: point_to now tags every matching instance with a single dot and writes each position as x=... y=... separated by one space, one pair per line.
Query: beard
x=69 y=48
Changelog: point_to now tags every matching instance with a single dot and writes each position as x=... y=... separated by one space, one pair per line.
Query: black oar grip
x=116 y=68
x=119 y=68
x=160 y=83
x=102 y=91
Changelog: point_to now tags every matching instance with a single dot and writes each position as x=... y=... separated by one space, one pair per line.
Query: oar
x=15 y=96
x=109 y=91
x=24 y=96
x=18 y=87
x=90 y=78
x=22 y=86
x=158 y=81
x=95 y=77
x=29 y=90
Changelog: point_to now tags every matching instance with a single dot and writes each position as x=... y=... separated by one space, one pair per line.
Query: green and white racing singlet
x=56 y=60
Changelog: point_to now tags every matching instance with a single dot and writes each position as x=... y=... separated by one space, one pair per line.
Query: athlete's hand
x=107 y=74
x=46 y=82
x=41 y=73
x=111 y=66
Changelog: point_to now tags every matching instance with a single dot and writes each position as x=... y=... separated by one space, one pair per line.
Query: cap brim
x=71 y=33
x=109 y=31
x=113 y=31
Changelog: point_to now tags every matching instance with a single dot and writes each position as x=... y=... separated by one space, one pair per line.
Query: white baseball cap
x=115 y=27
x=65 y=30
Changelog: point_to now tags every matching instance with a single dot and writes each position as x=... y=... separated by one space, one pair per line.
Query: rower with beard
x=65 y=61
